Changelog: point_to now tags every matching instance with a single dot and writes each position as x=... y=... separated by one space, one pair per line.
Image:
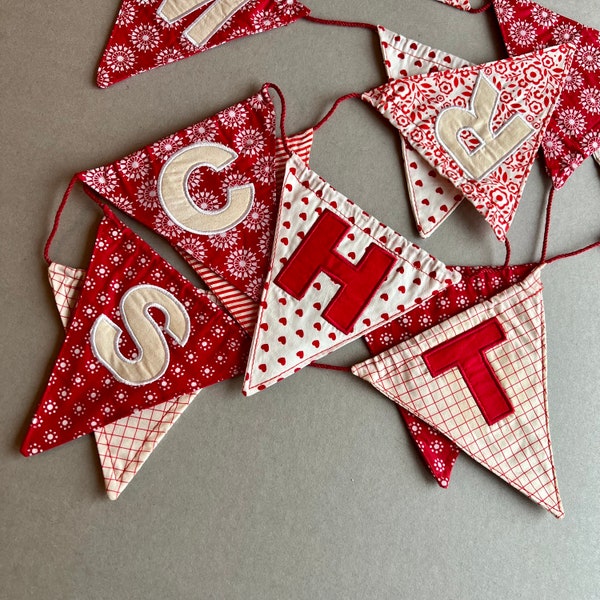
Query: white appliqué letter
x=152 y=351
x=208 y=23
x=494 y=146
x=179 y=205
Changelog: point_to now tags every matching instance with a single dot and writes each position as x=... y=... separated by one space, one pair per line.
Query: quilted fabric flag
x=209 y=189
x=116 y=358
x=574 y=130
x=462 y=4
x=480 y=379
x=432 y=198
x=480 y=126
x=476 y=284
x=125 y=445
x=336 y=273
x=153 y=33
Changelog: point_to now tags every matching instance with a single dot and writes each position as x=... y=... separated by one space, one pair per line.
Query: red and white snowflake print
x=476 y=284
x=527 y=26
x=142 y=39
x=247 y=129
x=80 y=399
x=527 y=86
x=433 y=198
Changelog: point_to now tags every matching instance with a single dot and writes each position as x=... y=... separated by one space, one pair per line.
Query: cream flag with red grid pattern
x=490 y=396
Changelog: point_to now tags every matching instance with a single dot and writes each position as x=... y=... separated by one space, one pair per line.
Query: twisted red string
x=277 y=89
x=508 y=252
x=573 y=253
x=547 y=227
x=330 y=367
x=337 y=23
x=334 y=107
x=59 y=212
x=481 y=9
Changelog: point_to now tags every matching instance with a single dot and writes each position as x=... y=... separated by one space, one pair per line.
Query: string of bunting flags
x=296 y=270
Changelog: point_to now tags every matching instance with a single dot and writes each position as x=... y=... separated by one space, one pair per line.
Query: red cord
x=507 y=246
x=341 y=23
x=59 y=211
x=547 y=227
x=574 y=253
x=283 y=115
x=334 y=107
x=483 y=8
x=330 y=367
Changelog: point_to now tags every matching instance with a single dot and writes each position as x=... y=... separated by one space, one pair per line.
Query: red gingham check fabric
x=517 y=448
x=66 y=285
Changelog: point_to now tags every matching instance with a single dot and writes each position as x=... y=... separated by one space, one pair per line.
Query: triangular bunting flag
x=480 y=379
x=125 y=445
x=476 y=284
x=573 y=133
x=433 y=198
x=153 y=33
x=336 y=274
x=480 y=126
x=208 y=189
x=116 y=358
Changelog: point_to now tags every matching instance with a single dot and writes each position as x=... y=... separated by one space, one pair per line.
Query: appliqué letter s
x=153 y=352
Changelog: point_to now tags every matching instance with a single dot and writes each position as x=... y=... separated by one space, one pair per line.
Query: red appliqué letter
x=467 y=352
x=358 y=283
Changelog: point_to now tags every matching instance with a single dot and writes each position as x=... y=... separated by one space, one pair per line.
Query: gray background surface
x=312 y=488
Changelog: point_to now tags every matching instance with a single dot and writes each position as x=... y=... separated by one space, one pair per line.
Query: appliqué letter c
x=467 y=352
x=494 y=146
x=153 y=353
x=358 y=283
x=179 y=205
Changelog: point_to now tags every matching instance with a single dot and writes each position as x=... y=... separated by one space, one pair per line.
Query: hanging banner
x=480 y=379
x=432 y=198
x=154 y=33
x=476 y=284
x=336 y=273
x=140 y=335
x=480 y=126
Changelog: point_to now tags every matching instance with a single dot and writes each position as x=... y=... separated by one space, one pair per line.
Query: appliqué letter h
x=467 y=352
x=358 y=283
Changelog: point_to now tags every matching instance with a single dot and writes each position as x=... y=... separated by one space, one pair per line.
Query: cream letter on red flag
x=480 y=379
x=480 y=126
x=140 y=335
x=433 y=198
x=336 y=274
x=153 y=33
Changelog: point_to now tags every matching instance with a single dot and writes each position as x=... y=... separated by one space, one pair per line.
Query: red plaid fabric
x=517 y=448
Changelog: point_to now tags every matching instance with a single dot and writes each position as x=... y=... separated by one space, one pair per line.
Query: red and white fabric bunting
x=153 y=33
x=574 y=130
x=480 y=379
x=336 y=273
x=125 y=445
x=116 y=358
x=476 y=284
x=462 y=4
x=208 y=189
x=433 y=198
x=480 y=126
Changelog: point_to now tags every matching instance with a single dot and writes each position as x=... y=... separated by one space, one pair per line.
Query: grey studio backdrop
x=311 y=489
